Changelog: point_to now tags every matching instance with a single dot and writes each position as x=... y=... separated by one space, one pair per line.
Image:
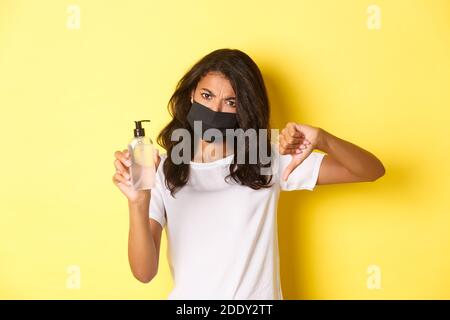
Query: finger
x=290 y=167
x=295 y=145
x=295 y=162
x=290 y=139
x=286 y=146
x=121 y=169
x=294 y=140
x=301 y=148
x=304 y=148
x=284 y=142
x=283 y=151
x=121 y=156
x=119 y=179
x=157 y=158
x=300 y=157
x=293 y=131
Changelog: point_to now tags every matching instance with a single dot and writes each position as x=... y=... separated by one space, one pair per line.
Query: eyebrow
x=228 y=98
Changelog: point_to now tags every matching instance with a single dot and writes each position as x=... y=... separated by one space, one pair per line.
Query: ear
x=192 y=96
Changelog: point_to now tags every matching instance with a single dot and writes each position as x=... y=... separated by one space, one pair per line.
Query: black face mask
x=211 y=119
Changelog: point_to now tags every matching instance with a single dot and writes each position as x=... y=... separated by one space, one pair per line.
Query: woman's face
x=214 y=91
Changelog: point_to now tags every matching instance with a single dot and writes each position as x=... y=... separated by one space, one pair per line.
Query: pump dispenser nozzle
x=139 y=131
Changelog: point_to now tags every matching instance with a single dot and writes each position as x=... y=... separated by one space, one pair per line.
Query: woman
x=219 y=212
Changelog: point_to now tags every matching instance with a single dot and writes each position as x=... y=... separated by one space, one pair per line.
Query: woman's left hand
x=299 y=140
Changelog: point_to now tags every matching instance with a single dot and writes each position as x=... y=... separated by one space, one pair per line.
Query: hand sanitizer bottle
x=142 y=169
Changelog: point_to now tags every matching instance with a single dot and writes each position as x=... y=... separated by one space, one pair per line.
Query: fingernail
x=128 y=162
x=129 y=183
x=127 y=176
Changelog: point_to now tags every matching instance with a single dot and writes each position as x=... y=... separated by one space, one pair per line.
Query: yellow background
x=69 y=97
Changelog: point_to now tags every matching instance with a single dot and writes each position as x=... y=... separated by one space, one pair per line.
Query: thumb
x=290 y=167
x=157 y=158
x=297 y=159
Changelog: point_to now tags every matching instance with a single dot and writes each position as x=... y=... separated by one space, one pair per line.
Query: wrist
x=322 y=140
x=142 y=199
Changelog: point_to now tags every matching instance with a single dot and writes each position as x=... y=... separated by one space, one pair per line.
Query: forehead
x=217 y=83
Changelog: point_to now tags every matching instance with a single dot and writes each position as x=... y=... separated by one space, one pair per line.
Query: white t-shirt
x=222 y=237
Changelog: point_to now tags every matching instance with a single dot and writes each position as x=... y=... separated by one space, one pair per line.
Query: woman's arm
x=144 y=235
x=344 y=161
x=144 y=240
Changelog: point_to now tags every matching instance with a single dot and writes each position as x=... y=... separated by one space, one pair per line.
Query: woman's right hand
x=122 y=176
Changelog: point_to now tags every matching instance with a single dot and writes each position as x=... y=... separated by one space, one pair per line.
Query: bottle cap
x=139 y=131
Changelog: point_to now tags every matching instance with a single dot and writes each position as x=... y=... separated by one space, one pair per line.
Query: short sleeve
x=156 y=207
x=304 y=176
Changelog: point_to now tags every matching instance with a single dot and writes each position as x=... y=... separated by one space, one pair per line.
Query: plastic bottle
x=142 y=169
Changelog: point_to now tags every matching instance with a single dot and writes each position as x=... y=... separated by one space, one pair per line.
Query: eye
x=204 y=96
x=231 y=103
